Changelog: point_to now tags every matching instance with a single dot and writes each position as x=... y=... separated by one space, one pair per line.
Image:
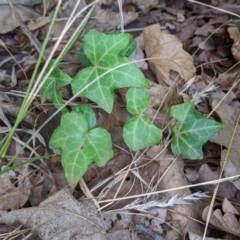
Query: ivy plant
x=191 y=131
x=51 y=88
x=110 y=69
x=80 y=144
x=107 y=68
x=140 y=126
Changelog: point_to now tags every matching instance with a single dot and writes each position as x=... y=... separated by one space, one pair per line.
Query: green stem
x=25 y=105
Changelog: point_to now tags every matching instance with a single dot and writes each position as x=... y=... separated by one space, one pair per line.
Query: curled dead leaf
x=235 y=36
x=13 y=197
x=166 y=53
x=111 y=20
x=228 y=117
x=61 y=216
x=8 y=21
x=173 y=177
x=224 y=219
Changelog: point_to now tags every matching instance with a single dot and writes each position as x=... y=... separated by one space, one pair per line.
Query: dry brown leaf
x=187 y=28
x=134 y=184
x=157 y=94
x=226 y=79
x=174 y=177
x=235 y=36
x=139 y=55
x=202 y=43
x=8 y=21
x=43 y=184
x=193 y=236
x=223 y=138
x=168 y=53
x=13 y=110
x=225 y=221
x=61 y=216
x=146 y=4
x=40 y=22
x=12 y=197
x=205 y=30
x=55 y=167
x=206 y=173
x=175 y=97
x=111 y=20
x=121 y=225
x=123 y=234
x=176 y=12
x=227 y=207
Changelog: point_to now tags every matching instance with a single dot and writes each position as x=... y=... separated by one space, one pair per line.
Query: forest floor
x=187 y=52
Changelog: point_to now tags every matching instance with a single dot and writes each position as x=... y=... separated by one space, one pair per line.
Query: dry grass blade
x=135 y=205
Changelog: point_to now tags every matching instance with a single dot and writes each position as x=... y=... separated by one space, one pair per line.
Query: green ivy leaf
x=130 y=48
x=80 y=147
x=104 y=52
x=191 y=131
x=82 y=57
x=88 y=114
x=137 y=100
x=51 y=88
x=139 y=133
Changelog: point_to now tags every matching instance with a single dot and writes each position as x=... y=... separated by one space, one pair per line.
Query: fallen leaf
x=228 y=207
x=60 y=216
x=193 y=236
x=226 y=221
x=8 y=21
x=175 y=97
x=206 y=173
x=40 y=22
x=111 y=20
x=187 y=29
x=29 y=3
x=139 y=55
x=134 y=183
x=167 y=54
x=146 y=4
x=175 y=4
x=173 y=177
x=226 y=79
x=223 y=138
x=119 y=225
x=43 y=184
x=12 y=197
x=235 y=36
x=205 y=30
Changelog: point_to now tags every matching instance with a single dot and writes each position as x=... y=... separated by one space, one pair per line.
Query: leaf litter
x=33 y=188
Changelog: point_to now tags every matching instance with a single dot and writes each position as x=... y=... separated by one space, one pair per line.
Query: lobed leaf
x=82 y=57
x=88 y=114
x=80 y=147
x=191 y=131
x=51 y=88
x=137 y=100
x=139 y=133
x=130 y=48
x=110 y=69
